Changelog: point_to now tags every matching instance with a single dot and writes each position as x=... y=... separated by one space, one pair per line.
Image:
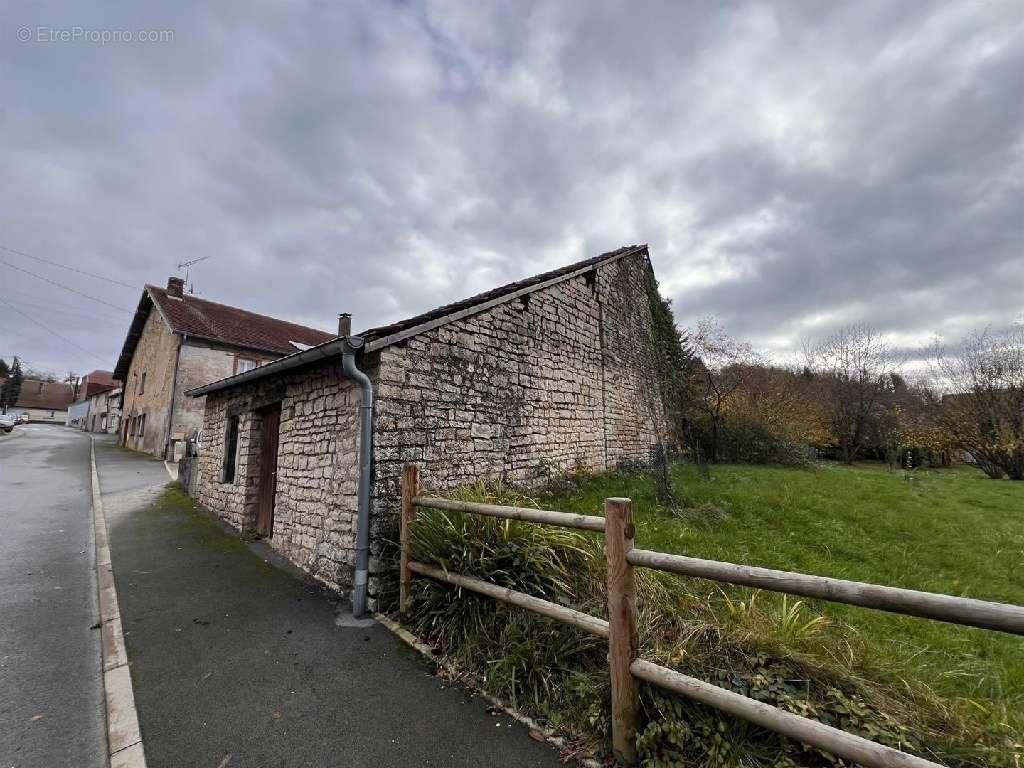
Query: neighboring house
x=104 y=411
x=96 y=381
x=45 y=401
x=91 y=384
x=540 y=376
x=177 y=342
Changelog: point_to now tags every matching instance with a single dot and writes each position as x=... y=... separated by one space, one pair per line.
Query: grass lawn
x=952 y=531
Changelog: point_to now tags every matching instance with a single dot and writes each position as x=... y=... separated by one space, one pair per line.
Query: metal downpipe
x=348 y=364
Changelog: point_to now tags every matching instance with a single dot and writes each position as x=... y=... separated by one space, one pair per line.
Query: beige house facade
x=177 y=342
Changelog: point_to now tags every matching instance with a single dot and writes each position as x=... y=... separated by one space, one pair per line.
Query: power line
x=96 y=314
x=65 y=266
x=66 y=288
x=65 y=339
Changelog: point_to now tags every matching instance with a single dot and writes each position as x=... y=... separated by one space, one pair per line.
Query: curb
x=550 y=736
x=124 y=739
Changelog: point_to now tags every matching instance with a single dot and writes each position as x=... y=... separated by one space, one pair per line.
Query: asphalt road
x=238 y=663
x=51 y=687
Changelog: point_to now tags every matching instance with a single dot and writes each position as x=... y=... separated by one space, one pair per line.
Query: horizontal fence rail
x=584 y=621
x=626 y=669
x=562 y=519
x=811 y=732
x=927 y=605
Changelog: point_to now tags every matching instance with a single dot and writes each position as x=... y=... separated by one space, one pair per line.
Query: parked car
x=8 y=421
x=24 y=418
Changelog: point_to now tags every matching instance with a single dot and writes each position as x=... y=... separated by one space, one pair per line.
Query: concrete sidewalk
x=238 y=663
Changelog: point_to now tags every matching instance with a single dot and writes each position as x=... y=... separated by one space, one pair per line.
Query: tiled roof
x=46 y=395
x=231 y=325
x=218 y=323
x=100 y=377
x=94 y=382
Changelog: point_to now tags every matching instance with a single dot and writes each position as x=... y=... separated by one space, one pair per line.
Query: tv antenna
x=186 y=265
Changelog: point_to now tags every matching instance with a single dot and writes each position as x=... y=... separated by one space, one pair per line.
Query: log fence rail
x=627 y=670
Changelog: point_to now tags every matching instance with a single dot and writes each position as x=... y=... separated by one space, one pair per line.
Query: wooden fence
x=627 y=669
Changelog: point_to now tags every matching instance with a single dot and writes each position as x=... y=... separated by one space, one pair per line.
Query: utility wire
x=65 y=266
x=66 y=288
x=95 y=315
x=65 y=339
x=15 y=295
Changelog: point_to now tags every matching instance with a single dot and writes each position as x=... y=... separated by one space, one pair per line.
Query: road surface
x=51 y=686
x=233 y=660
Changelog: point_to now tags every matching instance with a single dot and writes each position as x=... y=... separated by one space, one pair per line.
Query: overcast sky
x=793 y=166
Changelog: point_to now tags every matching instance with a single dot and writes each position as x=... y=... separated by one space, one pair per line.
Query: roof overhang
x=387 y=341
x=138 y=324
x=311 y=355
x=337 y=346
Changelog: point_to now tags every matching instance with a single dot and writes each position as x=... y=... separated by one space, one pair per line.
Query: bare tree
x=854 y=367
x=981 y=406
x=75 y=381
x=725 y=365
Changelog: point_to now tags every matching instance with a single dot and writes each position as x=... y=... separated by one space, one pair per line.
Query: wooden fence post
x=622 y=631
x=410 y=489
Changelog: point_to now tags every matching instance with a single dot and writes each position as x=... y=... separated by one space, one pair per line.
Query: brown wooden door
x=268 y=471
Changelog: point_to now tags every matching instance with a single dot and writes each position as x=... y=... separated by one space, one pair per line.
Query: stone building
x=44 y=401
x=177 y=342
x=104 y=412
x=93 y=384
x=534 y=378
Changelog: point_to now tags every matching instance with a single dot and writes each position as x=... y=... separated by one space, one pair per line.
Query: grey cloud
x=792 y=166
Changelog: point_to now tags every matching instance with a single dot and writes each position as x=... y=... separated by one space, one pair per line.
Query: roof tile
x=46 y=395
x=231 y=325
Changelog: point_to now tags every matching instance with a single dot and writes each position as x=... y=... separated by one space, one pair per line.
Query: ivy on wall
x=673 y=361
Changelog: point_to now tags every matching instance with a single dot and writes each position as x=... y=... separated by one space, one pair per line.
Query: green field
x=951 y=531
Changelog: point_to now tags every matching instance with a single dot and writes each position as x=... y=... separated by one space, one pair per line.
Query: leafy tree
x=674 y=363
x=771 y=418
x=855 y=369
x=724 y=365
x=982 y=404
x=11 y=388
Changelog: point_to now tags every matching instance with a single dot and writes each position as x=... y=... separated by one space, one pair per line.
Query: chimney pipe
x=345 y=324
x=175 y=287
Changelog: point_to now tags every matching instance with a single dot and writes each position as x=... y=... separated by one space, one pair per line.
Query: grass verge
x=951 y=694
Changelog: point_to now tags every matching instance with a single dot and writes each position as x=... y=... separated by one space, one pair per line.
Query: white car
x=8 y=421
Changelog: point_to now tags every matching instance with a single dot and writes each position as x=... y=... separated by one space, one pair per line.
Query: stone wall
x=559 y=379
x=633 y=410
x=563 y=380
x=201 y=363
x=317 y=469
x=154 y=356
x=198 y=363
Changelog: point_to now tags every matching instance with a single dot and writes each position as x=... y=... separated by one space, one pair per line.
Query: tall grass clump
x=530 y=661
x=771 y=648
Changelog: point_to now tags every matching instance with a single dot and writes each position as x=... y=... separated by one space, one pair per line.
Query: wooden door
x=268 y=471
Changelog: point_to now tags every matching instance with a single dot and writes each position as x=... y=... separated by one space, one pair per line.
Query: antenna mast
x=186 y=265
